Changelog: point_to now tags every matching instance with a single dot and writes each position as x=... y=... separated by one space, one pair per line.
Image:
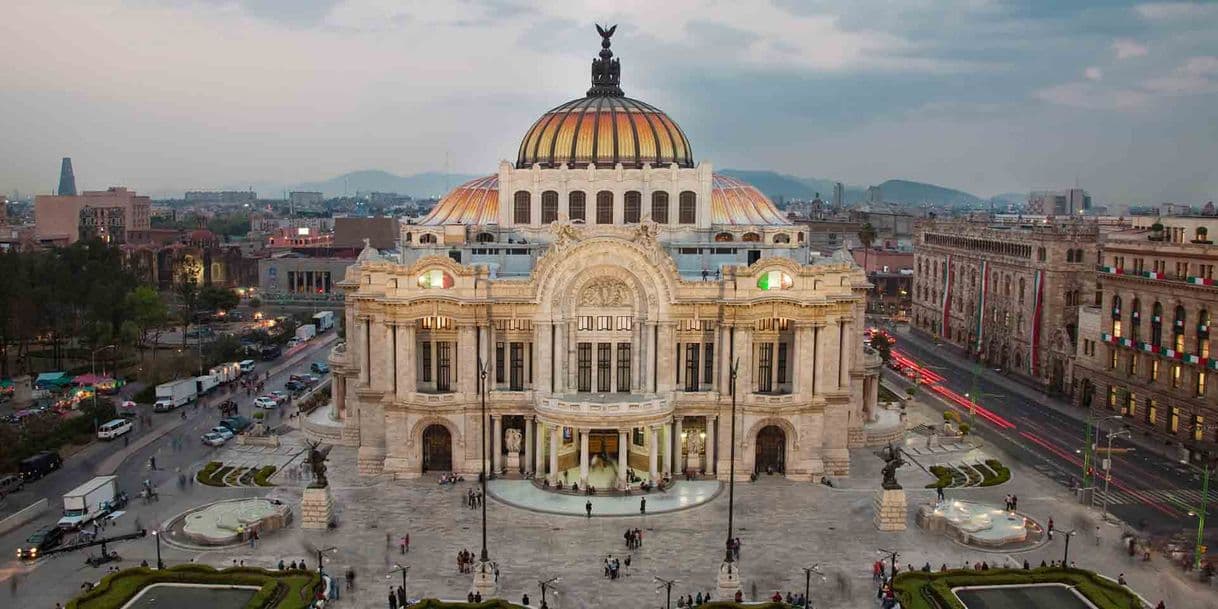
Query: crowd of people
x=634 y=538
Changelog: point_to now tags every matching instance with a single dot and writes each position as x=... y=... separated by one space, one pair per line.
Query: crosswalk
x=1177 y=497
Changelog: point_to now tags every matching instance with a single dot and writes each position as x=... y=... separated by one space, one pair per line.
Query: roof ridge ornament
x=606 y=71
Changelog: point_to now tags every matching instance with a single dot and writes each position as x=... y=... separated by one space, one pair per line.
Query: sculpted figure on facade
x=512 y=439
x=605 y=292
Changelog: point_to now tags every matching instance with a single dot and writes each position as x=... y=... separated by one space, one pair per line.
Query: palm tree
x=866 y=237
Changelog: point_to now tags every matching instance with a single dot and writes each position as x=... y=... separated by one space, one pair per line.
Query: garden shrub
x=262 y=478
x=944 y=475
x=116 y=589
x=1001 y=473
x=913 y=588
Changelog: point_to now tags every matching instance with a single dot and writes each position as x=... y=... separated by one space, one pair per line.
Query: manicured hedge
x=206 y=474
x=291 y=589
x=262 y=478
x=944 y=475
x=431 y=603
x=1001 y=473
x=914 y=588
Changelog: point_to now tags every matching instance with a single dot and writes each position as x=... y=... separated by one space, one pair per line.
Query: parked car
x=265 y=402
x=42 y=540
x=41 y=464
x=212 y=438
x=294 y=385
x=222 y=431
x=279 y=396
x=320 y=367
x=10 y=483
x=237 y=423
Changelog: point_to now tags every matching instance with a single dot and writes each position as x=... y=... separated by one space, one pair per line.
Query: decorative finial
x=606 y=71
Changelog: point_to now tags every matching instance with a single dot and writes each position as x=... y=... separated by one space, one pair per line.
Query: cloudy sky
x=982 y=95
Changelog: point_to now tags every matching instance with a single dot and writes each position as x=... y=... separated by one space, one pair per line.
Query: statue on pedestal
x=512 y=439
x=317 y=463
x=892 y=461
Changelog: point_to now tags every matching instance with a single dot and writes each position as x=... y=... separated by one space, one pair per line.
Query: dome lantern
x=606 y=71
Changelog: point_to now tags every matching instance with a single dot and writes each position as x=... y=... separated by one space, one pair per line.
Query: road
x=178 y=448
x=1146 y=488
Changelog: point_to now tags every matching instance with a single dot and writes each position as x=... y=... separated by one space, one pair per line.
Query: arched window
x=577 y=206
x=1116 y=315
x=1006 y=286
x=724 y=237
x=633 y=206
x=688 y=212
x=1178 y=329
x=485 y=238
x=782 y=238
x=549 y=207
x=751 y=237
x=604 y=207
x=1156 y=325
x=1135 y=319
x=1022 y=288
x=799 y=237
x=427 y=239
x=523 y=207
x=775 y=280
x=435 y=279
x=1203 y=334
x=659 y=207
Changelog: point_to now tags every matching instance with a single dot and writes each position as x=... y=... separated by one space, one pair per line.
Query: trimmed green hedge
x=205 y=474
x=1001 y=473
x=944 y=475
x=914 y=588
x=498 y=603
x=262 y=478
x=278 y=589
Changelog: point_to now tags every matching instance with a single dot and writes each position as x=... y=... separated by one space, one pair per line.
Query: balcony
x=612 y=410
x=1172 y=278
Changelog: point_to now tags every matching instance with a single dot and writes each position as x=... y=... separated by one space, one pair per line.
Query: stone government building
x=609 y=283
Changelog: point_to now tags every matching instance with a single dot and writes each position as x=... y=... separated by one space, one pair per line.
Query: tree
x=866 y=237
x=212 y=298
x=187 y=290
x=882 y=343
x=149 y=313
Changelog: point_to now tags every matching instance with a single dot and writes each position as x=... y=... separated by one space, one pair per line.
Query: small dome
x=735 y=202
x=474 y=203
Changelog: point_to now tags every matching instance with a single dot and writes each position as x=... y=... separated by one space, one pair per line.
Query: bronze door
x=437 y=449
x=771 y=450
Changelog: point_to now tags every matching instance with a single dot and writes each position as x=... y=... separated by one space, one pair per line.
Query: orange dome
x=604 y=130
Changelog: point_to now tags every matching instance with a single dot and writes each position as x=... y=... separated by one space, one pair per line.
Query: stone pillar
x=636 y=358
x=362 y=351
x=802 y=370
x=467 y=360
x=554 y=440
x=709 y=464
x=666 y=346
x=340 y=397
x=623 y=457
x=583 y=458
x=646 y=348
x=723 y=382
x=826 y=379
x=653 y=453
x=497 y=443
x=560 y=358
x=666 y=442
x=846 y=354
x=406 y=363
x=544 y=374
x=677 y=464
x=744 y=350
x=528 y=443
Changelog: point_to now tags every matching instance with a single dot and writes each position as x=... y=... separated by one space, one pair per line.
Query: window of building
x=604 y=361
x=765 y=367
x=1040 y=254
x=1173 y=422
x=775 y=280
x=1156 y=325
x=633 y=206
x=1152 y=411
x=443 y=366
x=623 y=367
x=1131 y=404
x=1176 y=372
x=1178 y=329
x=691 y=366
x=522 y=209
x=549 y=207
x=499 y=362
x=583 y=378
x=435 y=279
x=1203 y=334
x=1112 y=397
x=516 y=380
x=1112 y=358
x=577 y=206
x=688 y=212
x=604 y=207
x=748 y=237
x=782 y=363
x=1154 y=369
x=425 y=357
x=1201 y=380
x=708 y=363
x=639 y=437
x=1198 y=427
x=659 y=207
x=427 y=239
x=1132 y=369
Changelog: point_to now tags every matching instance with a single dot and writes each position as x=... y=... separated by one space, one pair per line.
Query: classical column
x=846 y=356
x=340 y=396
x=623 y=457
x=636 y=358
x=653 y=453
x=802 y=370
x=667 y=365
x=406 y=363
x=583 y=458
x=539 y=454
x=560 y=358
x=528 y=443
x=646 y=335
x=569 y=357
x=363 y=350
x=709 y=465
x=744 y=350
x=467 y=359
x=385 y=349
x=723 y=380
x=826 y=379
x=677 y=464
x=497 y=443
x=544 y=375
x=554 y=439
x=667 y=444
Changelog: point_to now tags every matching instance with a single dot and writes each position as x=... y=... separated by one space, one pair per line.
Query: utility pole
x=1205 y=496
x=892 y=556
x=1066 y=555
x=667 y=583
x=1108 y=470
x=808 y=571
x=544 y=584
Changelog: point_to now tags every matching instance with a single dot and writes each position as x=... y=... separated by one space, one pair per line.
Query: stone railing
x=605 y=409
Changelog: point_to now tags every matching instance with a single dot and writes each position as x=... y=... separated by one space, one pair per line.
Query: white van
x=113 y=429
x=247 y=365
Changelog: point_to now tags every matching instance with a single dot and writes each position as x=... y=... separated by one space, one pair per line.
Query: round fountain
x=230 y=522
x=978 y=524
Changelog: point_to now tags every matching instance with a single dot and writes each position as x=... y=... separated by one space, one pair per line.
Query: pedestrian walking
x=588 y=508
x=939 y=493
x=393 y=599
x=642 y=505
x=401 y=596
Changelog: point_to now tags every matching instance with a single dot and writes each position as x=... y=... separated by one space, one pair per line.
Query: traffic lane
x=1150 y=469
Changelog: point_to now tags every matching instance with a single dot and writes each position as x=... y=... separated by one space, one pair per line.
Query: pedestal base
x=316 y=508
x=23 y=392
x=513 y=464
x=693 y=463
x=484 y=580
x=890 y=507
x=728 y=581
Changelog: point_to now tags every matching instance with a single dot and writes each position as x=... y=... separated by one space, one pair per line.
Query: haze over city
x=987 y=97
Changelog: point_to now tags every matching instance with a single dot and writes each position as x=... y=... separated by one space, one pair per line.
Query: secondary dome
x=605 y=127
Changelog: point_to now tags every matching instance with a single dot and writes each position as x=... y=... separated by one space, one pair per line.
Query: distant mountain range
x=419 y=185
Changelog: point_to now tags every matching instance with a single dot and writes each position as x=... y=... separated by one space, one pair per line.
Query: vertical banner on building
x=983 y=292
x=1038 y=298
x=947 y=295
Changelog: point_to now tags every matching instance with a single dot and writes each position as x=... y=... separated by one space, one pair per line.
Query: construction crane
x=106 y=556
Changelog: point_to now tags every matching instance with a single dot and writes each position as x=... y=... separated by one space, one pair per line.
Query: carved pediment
x=605 y=292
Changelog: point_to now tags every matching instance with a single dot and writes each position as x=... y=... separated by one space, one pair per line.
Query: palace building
x=604 y=289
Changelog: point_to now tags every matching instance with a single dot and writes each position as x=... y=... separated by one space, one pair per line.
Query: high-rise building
x=1069 y=202
x=67 y=179
x=115 y=214
x=875 y=194
x=221 y=196
x=839 y=195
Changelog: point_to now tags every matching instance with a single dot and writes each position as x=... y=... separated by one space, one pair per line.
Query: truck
x=306 y=332
x=227 y=372
x=89 y=501
x=41 y=464
x=174 y=394
x=324 y=320
x=204 y=384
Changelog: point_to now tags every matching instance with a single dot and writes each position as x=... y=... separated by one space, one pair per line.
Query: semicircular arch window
x=775 y=280
x=435 y=279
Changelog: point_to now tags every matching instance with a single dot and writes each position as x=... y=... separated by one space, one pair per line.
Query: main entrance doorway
x=771 y=450
x=437 y=449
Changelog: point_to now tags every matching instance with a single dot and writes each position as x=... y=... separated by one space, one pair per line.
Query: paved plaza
x=783 y=526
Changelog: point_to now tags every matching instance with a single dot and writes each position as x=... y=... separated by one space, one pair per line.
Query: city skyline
x=1117 y=98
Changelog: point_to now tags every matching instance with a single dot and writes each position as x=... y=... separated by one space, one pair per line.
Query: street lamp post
x=93 y=358
x=1108 y=470
x=892 y=556
x=1066 y=554
x=972 y=404
x=159 y=563
x=484 y=578
x=400 y=569
x=667 y=583
x=729 y=574
x=1089 y=446
x=544 y=584
x=808 y=571
x=319 y=558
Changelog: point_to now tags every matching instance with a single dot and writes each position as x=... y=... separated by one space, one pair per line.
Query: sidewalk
x=955 y=355
x=111 y=463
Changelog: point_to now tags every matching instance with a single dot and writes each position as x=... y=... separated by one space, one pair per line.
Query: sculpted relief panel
x=605 y=292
